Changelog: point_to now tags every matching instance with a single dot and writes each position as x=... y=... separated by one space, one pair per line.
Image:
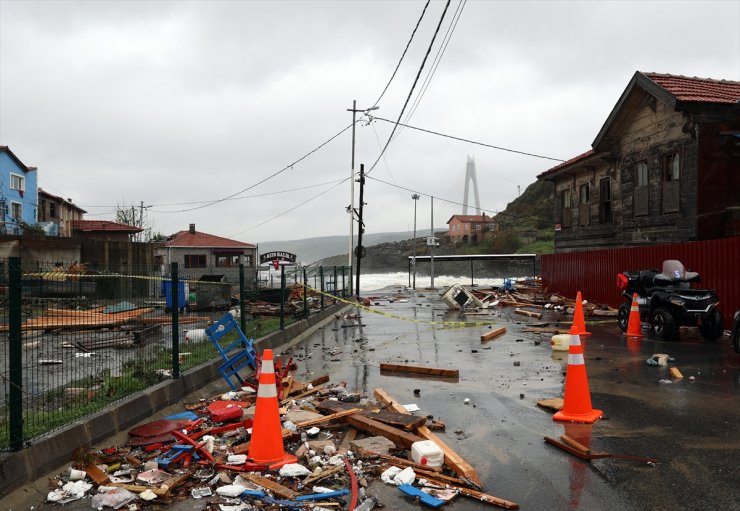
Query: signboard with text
x=277 y=255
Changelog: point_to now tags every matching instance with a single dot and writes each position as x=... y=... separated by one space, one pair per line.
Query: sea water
x=376 y=281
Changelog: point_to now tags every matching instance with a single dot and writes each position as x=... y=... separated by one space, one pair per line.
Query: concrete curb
x=56 y=449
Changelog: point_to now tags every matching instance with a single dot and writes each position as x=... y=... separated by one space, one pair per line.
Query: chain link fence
x=73 y=340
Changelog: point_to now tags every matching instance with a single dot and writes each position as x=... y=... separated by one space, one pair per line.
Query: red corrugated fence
x=594 y=273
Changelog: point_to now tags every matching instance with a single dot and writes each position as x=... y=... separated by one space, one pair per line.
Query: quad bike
x=667 y=301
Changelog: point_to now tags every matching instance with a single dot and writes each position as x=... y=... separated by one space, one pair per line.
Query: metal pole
x=336 y=291
x=282 y=297
x=15 y=354
x=472 y=283
x=431 y=248
x=175 y=279
x=321 y=277
x=413 y=261
x=242 y=297
x=352 y=194
x=360 y=228
x=305 y=293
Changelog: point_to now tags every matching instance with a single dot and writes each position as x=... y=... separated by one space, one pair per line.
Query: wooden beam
x=478 y=495
x=393 y=418
x=277 y=489
x=399 y=437
x=461 y=467
x=529 y=314
x=493 y=333
x=327 y=418
x=433 y=371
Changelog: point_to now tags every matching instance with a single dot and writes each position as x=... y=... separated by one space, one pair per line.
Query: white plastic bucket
x=560 y=342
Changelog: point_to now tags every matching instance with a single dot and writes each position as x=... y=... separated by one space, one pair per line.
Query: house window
x=477 y=227
x=605 y=201
x=195 y=261
x=227 y=259
x=671 y=182
x=565 y=205
x=584 y=211
x=52 y=210
x=16 y=211
x=467 y=227
x=641 y=193
x=17 y=182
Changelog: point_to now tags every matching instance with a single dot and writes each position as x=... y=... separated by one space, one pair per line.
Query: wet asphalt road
x=691 y=426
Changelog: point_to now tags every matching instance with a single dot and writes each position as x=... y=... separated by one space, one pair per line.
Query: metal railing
x=75 y=340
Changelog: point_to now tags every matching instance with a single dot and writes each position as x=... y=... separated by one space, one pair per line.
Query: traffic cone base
x=634 y=328
x=577 y=398
x=578 y=317
x=266 y=444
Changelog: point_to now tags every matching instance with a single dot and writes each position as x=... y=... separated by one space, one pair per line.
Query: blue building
x=18 y=193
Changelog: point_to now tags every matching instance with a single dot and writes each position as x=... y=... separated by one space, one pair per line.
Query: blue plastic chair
x=236 y=355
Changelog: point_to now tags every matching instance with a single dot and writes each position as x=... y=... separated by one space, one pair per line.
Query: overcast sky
x=176 y=102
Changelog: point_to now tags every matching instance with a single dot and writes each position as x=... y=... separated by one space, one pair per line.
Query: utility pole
x=354 y=111
x=360 y=250
x=431 y=247
x=413 y=260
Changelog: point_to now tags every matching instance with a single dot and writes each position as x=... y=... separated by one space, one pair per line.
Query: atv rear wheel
x=663 y=323
x=623 y=316
x=712 y=326
x=736 y=340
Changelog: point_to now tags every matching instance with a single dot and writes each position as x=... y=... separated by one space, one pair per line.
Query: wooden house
x=664 y=168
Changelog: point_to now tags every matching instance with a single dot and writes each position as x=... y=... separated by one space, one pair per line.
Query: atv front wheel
x=663 y=323
x=623 y=316
x=712 y=326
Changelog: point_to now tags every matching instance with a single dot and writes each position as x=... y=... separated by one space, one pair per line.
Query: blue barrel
x=167 y=292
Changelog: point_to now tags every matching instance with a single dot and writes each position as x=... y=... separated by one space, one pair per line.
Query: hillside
x=525 y=227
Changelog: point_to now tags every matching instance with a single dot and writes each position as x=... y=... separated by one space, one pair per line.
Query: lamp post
x=413 y=260
x=354 y=111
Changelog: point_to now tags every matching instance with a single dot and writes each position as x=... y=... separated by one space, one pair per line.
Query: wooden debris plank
x=555 y=403
x=302 y=395
x=348 y=438
x=461 y=467
x=277 y=489
x=324 y=474
x=483 y=497
x=575 y=444
x=399 y=437
x=139 y=488
x=434 y=371
x=96 y=474
x=529 y=314
x=402 y=420
x=493 y=333
x=675 y=373
x=327 y=418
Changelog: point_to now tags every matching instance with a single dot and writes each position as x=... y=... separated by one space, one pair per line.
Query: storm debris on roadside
x=341 y=442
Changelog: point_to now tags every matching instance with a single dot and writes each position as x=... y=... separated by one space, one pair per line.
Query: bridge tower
x=470 y=176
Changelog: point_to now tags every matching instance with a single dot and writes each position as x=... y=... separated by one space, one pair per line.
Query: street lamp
x=413 y=259
x=354 y=111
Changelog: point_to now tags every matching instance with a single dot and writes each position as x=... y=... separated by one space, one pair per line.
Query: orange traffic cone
x=578 y=319
x=633 y=323
x=577 y=399
x=266 y=445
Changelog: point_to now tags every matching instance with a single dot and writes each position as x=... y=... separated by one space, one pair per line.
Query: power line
x=413 y=86
x=291 y=209
x=469 y=141
x=290 y=166
x=437 y=59
x=403 y=54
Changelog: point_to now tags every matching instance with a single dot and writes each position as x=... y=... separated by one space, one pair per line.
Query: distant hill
x=310 y=250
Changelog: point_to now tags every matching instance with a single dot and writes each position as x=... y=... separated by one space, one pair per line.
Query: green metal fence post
x=335 y=291
x=242 y=315
x=174 y=276
x=15 y=355
x=305 y=294
x=344 y=289
x=321 y=278
x=282 y=297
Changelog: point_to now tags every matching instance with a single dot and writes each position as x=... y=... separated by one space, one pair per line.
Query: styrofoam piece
x=405 y=476
x=230 y=490
x=294 y=470
x=389 y=474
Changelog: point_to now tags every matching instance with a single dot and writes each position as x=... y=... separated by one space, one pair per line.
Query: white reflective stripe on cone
x=635 y=308
x=268 y=390
x=268 y=366
x=575 y=340
x=573 y=360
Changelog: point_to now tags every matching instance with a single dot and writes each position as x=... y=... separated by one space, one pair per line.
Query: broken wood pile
x=127 y=336
x=80 y=319
x=340 y=439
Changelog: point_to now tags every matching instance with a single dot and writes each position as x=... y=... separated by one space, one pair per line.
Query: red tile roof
x=568 y=163
x=471 y=218
x=103 y=225
x=701 y=90
x=202 y=239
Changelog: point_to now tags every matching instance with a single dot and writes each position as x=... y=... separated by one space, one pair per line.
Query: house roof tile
x=701 y=90
x=61 y=199
x=565 y=164
x=202 y=239
x=470 y=218
x=103 y=225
